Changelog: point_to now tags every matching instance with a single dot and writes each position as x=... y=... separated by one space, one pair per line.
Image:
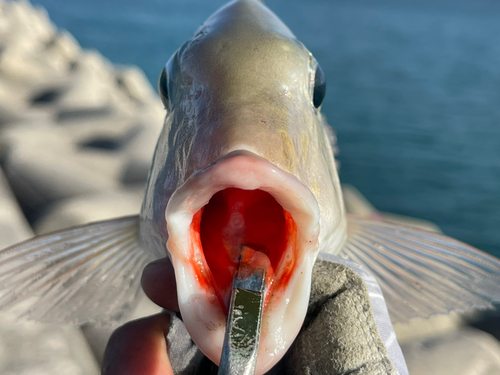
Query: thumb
x=139 y=348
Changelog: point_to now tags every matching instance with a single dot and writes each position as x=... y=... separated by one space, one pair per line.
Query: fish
x=245 y=160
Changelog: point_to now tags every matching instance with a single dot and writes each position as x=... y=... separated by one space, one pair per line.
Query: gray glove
x=340 y=335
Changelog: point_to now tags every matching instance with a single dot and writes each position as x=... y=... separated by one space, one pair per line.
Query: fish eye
x=319 y=87
x=163 y=87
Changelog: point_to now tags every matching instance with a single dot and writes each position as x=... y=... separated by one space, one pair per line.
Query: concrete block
x=419 y=329
x=91 y=84
x=18 y=62
x=85 y=209
x=13 y=94
x=13 y=225
x=30 y=20
x=44 y=165
x=464 y=352
x=62 y=51
x=140 y=149
x=15 y=103
x=94 y=89
x=98 y=337
x=135 y=84
x=25 y=36
x=29 y=348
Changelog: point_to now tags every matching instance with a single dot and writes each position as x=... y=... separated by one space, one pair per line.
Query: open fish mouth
x=242 y=201
x=235 y=219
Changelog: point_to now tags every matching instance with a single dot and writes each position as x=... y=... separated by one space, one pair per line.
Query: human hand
x=340 y=333
x=140 y=347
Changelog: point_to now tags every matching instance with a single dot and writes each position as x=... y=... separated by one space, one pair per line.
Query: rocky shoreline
x=77 y=135
x=76 y=139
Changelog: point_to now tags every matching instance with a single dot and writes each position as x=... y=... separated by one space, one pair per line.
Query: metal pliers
x=241 y=341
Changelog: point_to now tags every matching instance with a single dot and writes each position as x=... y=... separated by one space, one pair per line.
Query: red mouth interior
x=234 y=218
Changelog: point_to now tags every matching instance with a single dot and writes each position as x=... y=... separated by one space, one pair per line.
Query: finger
x=158 y=282
x=139 y=348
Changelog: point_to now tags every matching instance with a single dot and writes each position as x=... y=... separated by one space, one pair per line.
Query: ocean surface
x=413 y=91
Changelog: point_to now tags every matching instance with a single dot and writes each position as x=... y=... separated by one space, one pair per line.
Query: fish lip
x=248 y=171
x=201 y=311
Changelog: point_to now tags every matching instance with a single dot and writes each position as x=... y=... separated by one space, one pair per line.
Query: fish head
x=244 y=160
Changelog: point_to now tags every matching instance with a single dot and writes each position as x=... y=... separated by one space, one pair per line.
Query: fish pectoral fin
x=89 y=273
x=422 y=273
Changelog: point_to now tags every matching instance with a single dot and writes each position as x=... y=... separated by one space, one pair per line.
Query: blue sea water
x=413 y=91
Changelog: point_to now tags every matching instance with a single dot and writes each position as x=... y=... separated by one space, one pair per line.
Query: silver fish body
x=241 y=115
x=244 y=159
x=243 y=83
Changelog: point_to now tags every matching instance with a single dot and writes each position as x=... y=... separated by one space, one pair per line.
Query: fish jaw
x=203 y=294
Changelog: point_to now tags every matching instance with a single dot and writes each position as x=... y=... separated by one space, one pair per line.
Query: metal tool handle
x=241 y=341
